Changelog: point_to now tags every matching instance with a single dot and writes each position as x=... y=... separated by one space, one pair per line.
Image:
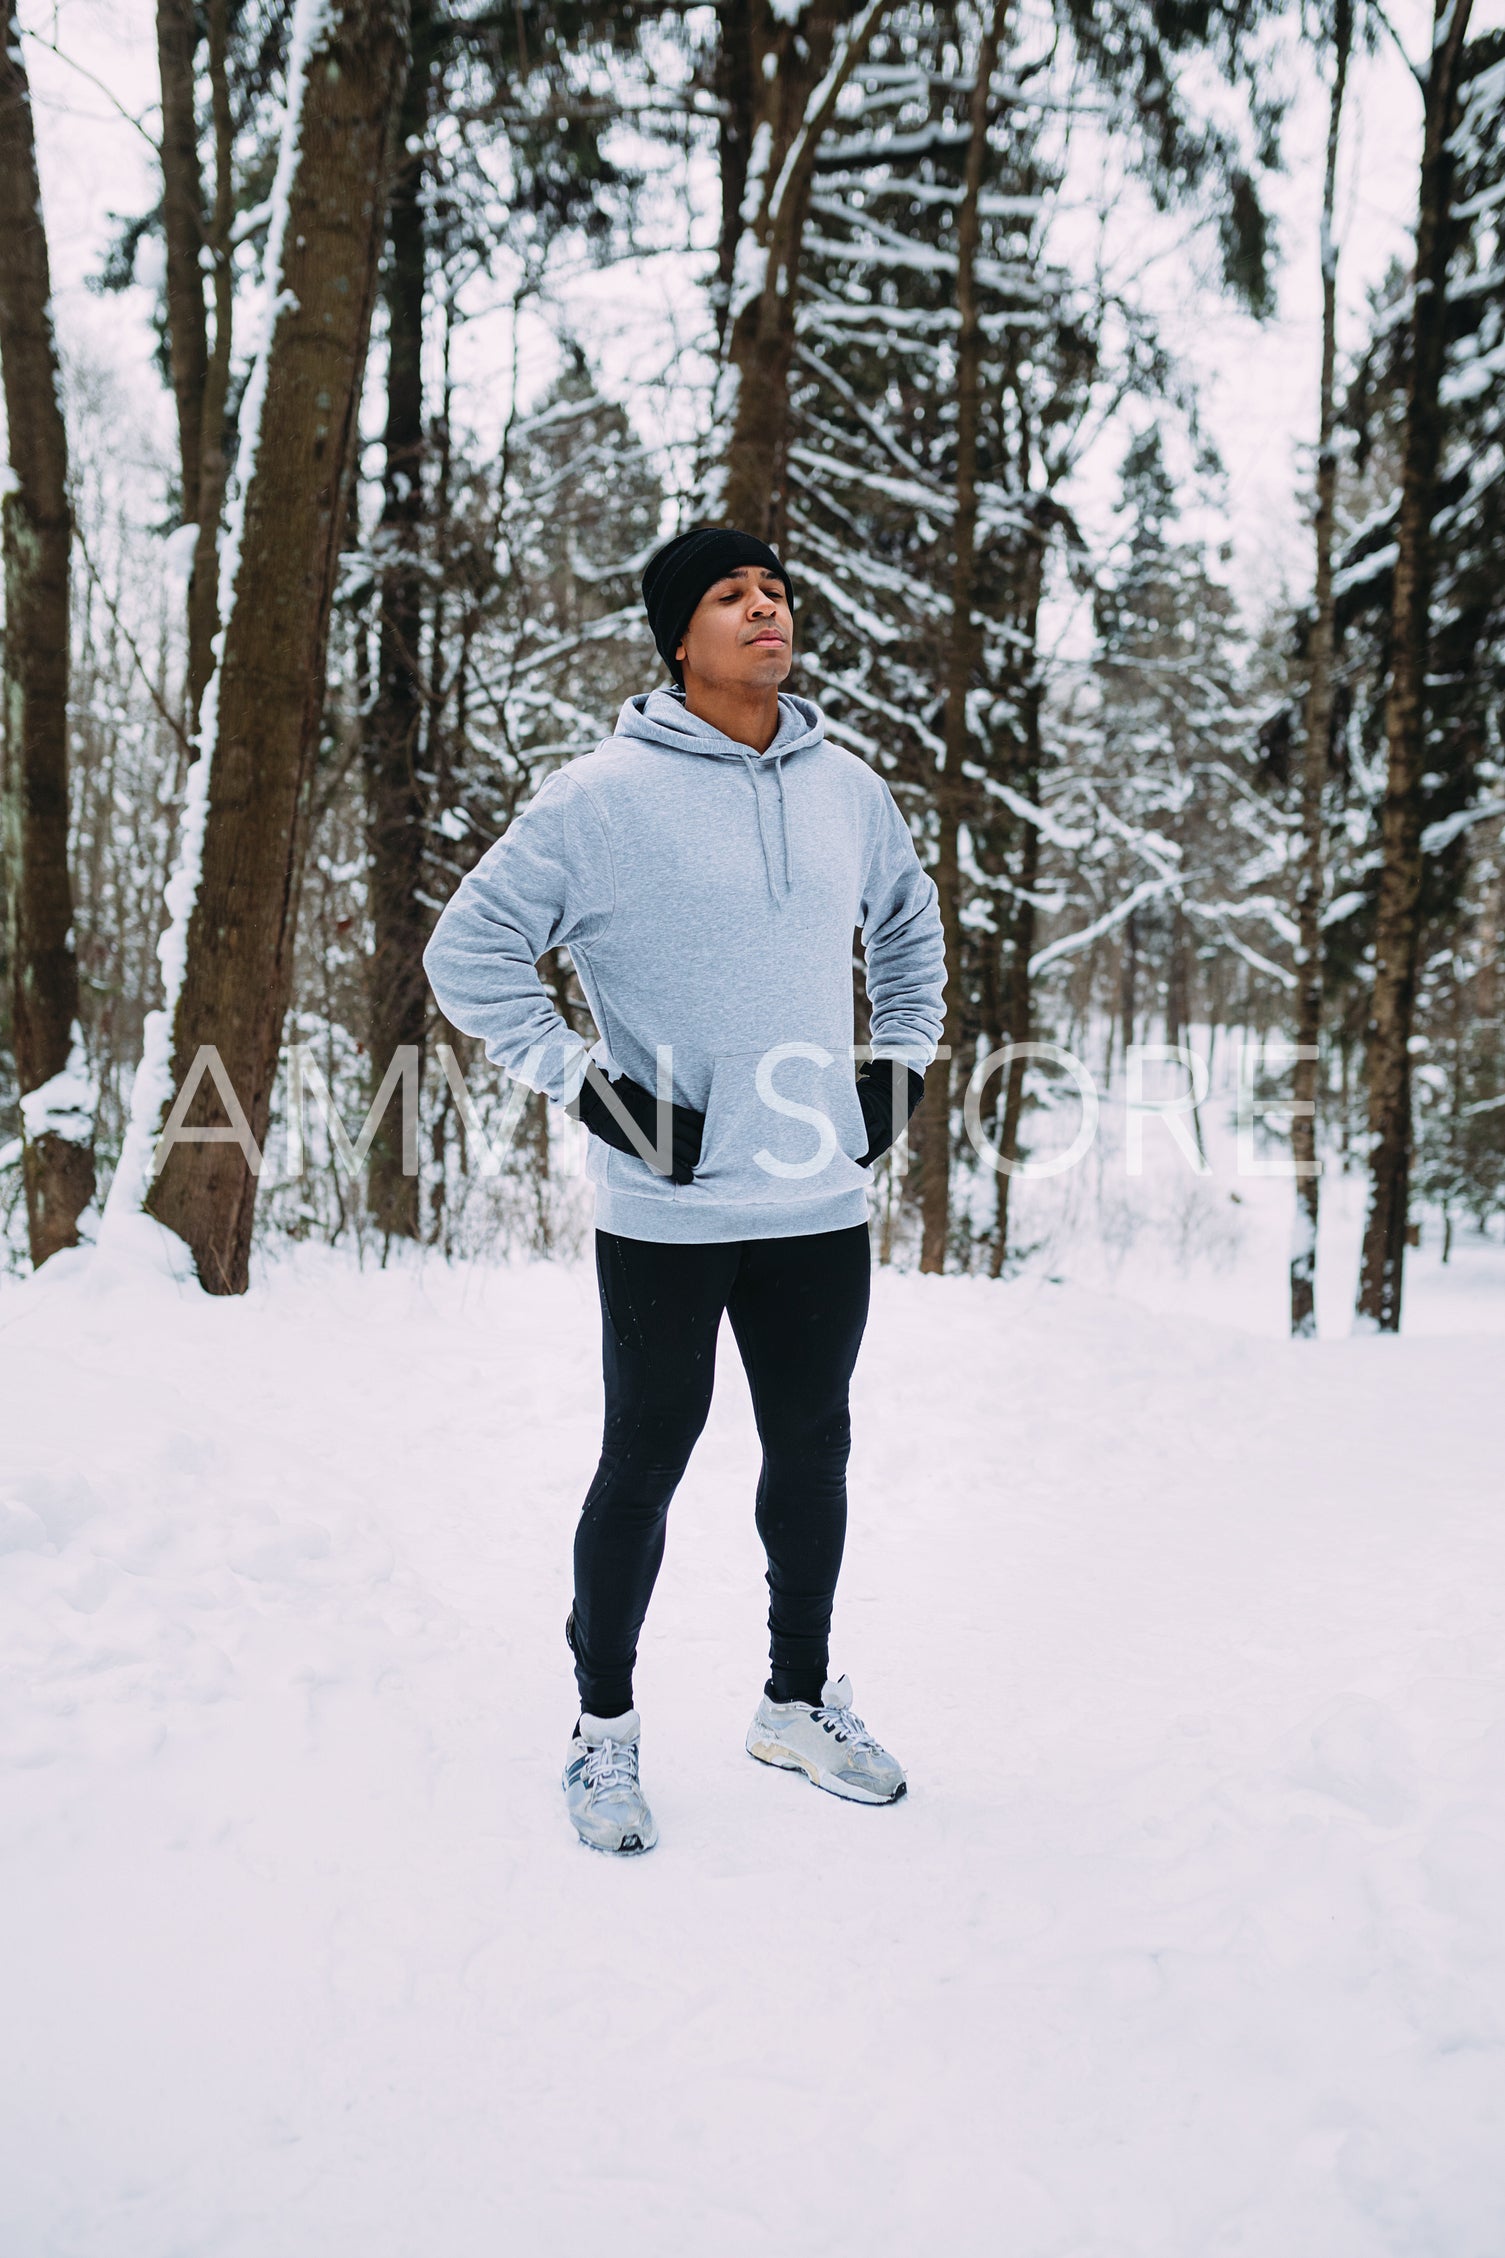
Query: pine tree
x=535 y=80
x=1458 y=792
x=1398 y=923
x=56 y=1088
x=1317 y=727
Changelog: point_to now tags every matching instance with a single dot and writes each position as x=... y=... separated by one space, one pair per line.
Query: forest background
x=1146 y=517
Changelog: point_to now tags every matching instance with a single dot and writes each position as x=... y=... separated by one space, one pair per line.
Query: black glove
x=888 y=1092
x=685 y=1127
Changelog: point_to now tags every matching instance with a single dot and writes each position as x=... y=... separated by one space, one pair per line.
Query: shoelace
x=848 y=1726
x=612 y=1764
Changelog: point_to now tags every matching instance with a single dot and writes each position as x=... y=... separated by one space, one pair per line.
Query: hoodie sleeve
x=546 y=883
x=901 y=938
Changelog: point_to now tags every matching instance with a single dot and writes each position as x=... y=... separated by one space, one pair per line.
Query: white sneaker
x=602 y=1792
x=829 y=1743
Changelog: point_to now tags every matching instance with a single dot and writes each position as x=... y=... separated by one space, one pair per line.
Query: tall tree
x=214 y=464
x=1398 y=926
x=533 y=82
x=57 y=1107
x=882 y=455
x=1317 y=730
x=183 y=233
x=1014 y=1023
x=1455 y=1039
x=198 y=249
x=964 y=638
x=346 y=77
x=394 y=794
x=789 y=70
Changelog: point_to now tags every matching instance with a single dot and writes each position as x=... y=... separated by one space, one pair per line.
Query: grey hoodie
x=708 y=897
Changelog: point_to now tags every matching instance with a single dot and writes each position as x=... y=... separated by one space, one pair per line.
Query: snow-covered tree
x=55 y=1087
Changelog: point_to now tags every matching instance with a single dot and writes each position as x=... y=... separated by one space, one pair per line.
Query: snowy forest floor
x=1188 y=1942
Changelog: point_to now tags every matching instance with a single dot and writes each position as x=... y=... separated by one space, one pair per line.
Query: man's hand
x=642 y=1107
x=888 y=1092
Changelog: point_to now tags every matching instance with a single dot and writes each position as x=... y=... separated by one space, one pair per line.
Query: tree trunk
x=737 y=97
x=799 y=61
x=1317 y=748
x=200 y=374
x=183 y=227
x=1021 y=1009
x=1128 y=986
x=57 y=1108
x=203 y=586
x=395 y=811
x=296 y=457
x=1177 y=980
x=962 y=651
x=1397 y=927
x=935 y=1138
x=1022 y=937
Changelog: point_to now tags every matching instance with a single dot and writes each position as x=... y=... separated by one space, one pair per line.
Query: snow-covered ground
x=1188 y=1942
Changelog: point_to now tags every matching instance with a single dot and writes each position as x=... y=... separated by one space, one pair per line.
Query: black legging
x=798 y=1307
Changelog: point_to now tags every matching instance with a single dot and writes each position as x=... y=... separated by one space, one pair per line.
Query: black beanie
x=678 y=575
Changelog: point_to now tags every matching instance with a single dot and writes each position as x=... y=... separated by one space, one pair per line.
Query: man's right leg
x=660 y=1310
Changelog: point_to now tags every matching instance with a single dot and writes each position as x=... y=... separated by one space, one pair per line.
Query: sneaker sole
x=785 y=1760
x=631 y=1848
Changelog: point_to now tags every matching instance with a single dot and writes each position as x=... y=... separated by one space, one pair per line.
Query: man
x=706 y=868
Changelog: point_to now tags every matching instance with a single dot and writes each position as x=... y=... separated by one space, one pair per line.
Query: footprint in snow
x=1357 y=1753
x=275 y=1556
x=22 y=1529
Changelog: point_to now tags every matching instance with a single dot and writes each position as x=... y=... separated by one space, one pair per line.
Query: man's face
x=741 y=633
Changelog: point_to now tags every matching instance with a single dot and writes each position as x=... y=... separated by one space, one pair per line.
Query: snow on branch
x=830 y=315
x=918 y=596
x=856 y=407
x=608 y=626
x=850 y=46
x=65 y=1105
x=563 y=411
x=1259 y=963
x=1258 y=905
x=902 y=717
x=918 y=258
x=883 y=148
x=906 y=490
x=1071 y=944
x=1056 y=834
x=1473 y=377
x=1343 y=907
x=1161 y=854
x=1442 y=834
x=856 y=615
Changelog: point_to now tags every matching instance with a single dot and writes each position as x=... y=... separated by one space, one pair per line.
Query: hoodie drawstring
x=750 y=763
x=784 y=821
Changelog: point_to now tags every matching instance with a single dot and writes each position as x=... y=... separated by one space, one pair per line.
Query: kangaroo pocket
x=625 y=1172
x=781 y=1123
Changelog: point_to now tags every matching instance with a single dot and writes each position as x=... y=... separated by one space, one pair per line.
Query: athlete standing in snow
x=706 y=868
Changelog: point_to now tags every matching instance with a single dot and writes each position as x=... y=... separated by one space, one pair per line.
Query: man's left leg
x=798 y=1308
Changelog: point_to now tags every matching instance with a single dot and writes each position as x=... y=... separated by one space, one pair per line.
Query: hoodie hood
x=661 y=718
